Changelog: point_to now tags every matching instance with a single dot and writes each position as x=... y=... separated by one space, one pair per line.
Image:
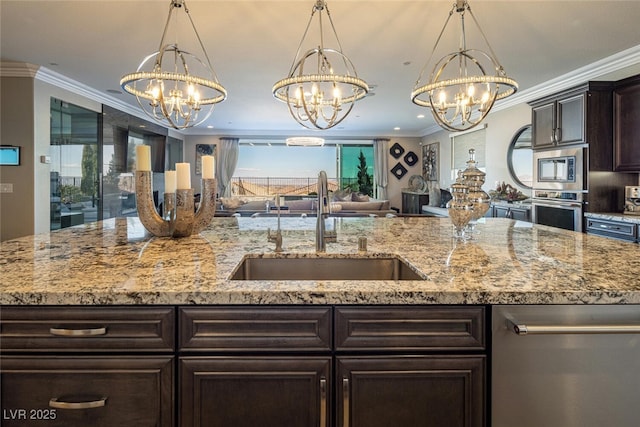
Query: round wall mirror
x=520 y=157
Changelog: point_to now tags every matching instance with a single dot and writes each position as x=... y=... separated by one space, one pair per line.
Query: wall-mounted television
x=9 y=155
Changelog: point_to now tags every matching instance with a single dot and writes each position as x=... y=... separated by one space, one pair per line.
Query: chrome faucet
x=322 y=235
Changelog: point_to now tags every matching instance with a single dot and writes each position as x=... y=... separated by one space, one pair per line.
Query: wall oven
x=559 y=187
x=558 y=209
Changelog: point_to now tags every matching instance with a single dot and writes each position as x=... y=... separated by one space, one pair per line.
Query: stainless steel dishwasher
x=565 y=366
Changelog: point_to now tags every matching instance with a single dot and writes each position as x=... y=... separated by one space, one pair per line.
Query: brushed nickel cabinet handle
x=323 y=402
x=58 y=404
x=345 y=402
x=66 y=332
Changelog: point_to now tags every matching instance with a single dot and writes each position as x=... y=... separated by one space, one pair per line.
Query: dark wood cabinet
x=72 y=391
x=559 y=121
x=244 y=366
x=411 y=391
x=627 y=125
x=410 y=366
x=87 y=366
x=243 y=391
x=581 y=115
x=255 y=366
x=273 y=366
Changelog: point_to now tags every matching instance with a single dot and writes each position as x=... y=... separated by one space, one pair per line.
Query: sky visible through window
x=281 y=161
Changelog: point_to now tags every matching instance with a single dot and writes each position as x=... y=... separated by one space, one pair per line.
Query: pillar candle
x=143 y=158
x=170 y=181
x=183 y=171
x=208 y=167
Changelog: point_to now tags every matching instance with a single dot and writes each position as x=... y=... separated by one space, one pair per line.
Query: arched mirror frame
x=518 y=144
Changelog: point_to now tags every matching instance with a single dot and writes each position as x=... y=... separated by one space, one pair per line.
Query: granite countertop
x=507 y=262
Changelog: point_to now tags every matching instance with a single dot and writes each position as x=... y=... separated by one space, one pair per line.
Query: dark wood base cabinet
x=411 y=391
x=67 y=391
x=244 y=366
x=250 y=391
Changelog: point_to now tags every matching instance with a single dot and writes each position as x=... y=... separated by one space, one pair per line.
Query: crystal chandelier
x=322 y=85
x=173 y=86
x=464 y=85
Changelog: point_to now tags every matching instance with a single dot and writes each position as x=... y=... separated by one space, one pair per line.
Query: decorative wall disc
x=398 y=170
x=396 y=150
x=410 y=158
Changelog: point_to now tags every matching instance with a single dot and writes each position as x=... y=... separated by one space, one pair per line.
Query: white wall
x=501 y=126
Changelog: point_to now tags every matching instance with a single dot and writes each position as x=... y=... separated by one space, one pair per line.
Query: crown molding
x=18 y=69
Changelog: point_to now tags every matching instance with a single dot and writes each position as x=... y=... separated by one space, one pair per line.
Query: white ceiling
x=252 y=43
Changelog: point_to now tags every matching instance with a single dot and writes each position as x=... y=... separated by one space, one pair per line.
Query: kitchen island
x=102 y=324
x=506 y=262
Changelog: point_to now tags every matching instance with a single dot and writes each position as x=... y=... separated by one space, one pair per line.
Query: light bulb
x=471 y=91
x=442 y=97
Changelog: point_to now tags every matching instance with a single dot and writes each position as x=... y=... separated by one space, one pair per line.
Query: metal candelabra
x=180 y=218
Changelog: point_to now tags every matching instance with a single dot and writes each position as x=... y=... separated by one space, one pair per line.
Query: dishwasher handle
x=524 y=329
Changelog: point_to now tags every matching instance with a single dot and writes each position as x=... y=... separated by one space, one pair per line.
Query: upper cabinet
x=626 y=97
x=581 y=115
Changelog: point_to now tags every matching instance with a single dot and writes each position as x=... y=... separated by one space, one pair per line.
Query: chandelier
x=304 y=141
x=322 y=85
x=173 y=86
x=463 y=85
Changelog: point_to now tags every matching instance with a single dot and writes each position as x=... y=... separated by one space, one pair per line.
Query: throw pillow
x=359 y=197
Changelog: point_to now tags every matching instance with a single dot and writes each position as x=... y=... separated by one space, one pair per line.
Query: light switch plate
x=6 y=188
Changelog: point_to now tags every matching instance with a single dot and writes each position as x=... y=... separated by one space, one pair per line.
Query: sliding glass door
x=75 y=165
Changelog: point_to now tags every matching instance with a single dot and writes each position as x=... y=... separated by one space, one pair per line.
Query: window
x=461 y=144
x=269 y=168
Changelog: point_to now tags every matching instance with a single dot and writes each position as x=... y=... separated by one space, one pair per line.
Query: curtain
x=227 y=161
x=381 y=165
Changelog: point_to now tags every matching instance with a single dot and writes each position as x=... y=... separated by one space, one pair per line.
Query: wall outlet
x=6 y=188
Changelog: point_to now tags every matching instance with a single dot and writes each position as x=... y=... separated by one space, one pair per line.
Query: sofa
x=355 y=206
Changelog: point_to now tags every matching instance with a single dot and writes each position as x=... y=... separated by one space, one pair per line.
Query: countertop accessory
x=460 y=208
x=181 y=219
x=474 y=178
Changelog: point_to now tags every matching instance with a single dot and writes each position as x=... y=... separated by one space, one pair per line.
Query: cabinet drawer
x=265 y=329
x=409 y=328
x=87 y=391
x=87 y=329
x=614 y=229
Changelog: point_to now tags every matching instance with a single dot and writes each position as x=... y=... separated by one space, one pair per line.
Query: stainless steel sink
x=323 y=267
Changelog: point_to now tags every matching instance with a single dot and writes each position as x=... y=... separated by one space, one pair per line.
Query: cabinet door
x=520 y=214
x=570 y=117
x=543 y=125
x=627 y=128
x=417 y=391
x=501 y=212
x=255 y=391
x=67 y=391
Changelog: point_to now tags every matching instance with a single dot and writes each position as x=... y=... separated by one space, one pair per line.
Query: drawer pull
x=323 y=402
x=345 y=402
x=58 y=404
x=89 y=332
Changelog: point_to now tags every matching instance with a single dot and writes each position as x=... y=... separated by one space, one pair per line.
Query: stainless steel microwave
x=561 y=169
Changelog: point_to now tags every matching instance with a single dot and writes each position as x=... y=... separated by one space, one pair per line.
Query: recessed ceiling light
x=209 y=127
x=114 y=91
x=421 y=116
x=396 y=128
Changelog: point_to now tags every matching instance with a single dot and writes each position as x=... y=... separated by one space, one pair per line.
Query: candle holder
x=180 y=218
